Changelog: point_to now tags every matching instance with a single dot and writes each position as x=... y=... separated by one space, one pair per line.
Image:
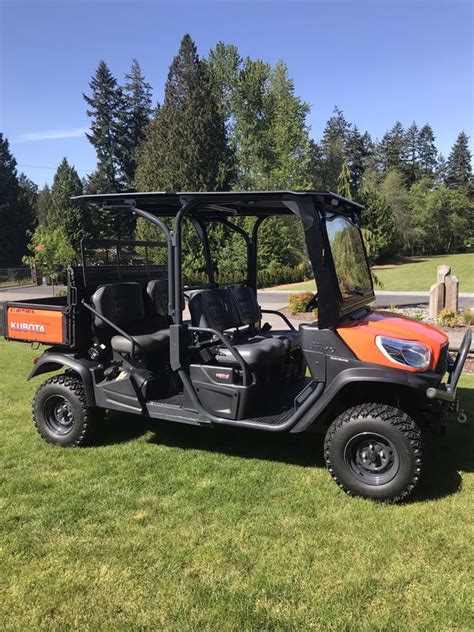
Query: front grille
x=442 y=365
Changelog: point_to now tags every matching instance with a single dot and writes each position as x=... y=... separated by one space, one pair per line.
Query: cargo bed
x=44 y=320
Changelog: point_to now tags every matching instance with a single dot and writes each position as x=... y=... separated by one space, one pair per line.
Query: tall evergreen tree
x=427 y=152
x=43 y=205
x=412 y=140
x=378 y=219
x=64 y=213
x=186 y=145
x=343 y=181
x=333 y=144
x=106 y=109
x=136 y=116
x=392 y=149
x=16 y=213
x=458 y=166
x=359 y=148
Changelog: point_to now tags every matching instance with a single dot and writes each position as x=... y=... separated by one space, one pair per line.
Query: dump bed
x=43 y=320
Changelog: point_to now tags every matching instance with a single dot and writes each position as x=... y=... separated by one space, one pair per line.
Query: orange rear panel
x=37 y=325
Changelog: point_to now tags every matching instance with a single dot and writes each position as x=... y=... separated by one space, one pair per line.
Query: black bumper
x=447 y=392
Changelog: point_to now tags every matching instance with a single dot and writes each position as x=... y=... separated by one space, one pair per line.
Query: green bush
x=297 y=302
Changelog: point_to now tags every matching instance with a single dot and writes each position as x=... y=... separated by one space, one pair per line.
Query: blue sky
x=377 y=60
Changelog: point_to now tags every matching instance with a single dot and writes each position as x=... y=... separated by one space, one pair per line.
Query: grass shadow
x=446 y=457
x=118 y=428
x=295 y=449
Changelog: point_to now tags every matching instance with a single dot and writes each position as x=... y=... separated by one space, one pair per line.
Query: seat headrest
x=213 y=308
x=122 y=303
x=246 y=304
x=157 y=293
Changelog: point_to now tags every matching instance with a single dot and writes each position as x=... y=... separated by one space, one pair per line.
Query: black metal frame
x=203 y=209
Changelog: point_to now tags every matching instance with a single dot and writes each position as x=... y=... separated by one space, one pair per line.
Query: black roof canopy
x=214 y=204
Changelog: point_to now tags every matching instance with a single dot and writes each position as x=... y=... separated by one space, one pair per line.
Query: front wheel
x=375 y=451
x=60 y=411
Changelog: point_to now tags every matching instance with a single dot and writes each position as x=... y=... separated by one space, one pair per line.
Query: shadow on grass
x=119 y=428
x=305 y=450
x=445 y=457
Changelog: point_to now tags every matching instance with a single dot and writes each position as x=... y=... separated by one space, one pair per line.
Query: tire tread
x=387 y=414
x=76 y=387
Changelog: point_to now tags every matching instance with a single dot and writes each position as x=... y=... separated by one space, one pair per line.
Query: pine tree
x=412 y=139
x=333 y=144
x=136 y=116
x=378 y=219
x=106 y=109
x=43 y=205
x=458 y=166
x=359 y=148
x=427 y=152
x=343 y=181
x=64 y=213
x=16 y=214
x=186 y=145
x=392 y=149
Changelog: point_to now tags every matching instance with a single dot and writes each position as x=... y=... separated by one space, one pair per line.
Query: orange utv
x=372 y=381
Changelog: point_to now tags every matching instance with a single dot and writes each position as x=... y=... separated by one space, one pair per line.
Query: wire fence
x=15 y=276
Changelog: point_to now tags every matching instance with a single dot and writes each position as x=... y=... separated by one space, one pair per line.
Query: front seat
x=215 y=309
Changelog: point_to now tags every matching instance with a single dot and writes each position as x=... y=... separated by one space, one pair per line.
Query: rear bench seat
x=224 y=309
x=123 y=304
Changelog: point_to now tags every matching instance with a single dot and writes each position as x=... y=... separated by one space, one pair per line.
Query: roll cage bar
x=203 y=208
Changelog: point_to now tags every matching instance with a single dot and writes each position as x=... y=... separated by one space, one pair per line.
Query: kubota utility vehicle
x=371 y=380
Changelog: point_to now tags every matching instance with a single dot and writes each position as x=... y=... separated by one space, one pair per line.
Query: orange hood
x=360 y=337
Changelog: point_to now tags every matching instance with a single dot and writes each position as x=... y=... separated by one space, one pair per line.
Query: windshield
x=348 y=255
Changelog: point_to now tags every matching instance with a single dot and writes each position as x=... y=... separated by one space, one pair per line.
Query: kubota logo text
x=38 y=329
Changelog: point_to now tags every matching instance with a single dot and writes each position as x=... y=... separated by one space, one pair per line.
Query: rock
x=443 y=272
x=437 y=292
x=451 y=300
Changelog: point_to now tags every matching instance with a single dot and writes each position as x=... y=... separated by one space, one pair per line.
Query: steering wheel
x=312 y=303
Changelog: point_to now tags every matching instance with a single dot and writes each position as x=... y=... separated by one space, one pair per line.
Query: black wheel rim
x=372 y=458
x=58 y=415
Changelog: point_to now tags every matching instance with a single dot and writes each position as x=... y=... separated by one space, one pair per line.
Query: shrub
x=467 y=316
x=297 y=302
x=448 y=317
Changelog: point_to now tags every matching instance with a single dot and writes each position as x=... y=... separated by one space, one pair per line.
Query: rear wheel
x=60 y=411
x=375 y=451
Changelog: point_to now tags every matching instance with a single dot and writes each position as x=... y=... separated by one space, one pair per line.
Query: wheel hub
x=59 y=414
x=372 y=458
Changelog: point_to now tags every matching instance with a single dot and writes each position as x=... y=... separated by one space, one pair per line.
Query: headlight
x=404 y=352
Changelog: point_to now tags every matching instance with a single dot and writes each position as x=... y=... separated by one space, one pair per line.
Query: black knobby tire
x=375 y=451
x=60 y=411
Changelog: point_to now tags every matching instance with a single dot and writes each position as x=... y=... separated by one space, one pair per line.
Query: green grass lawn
x=161 y=526
x=417 y=275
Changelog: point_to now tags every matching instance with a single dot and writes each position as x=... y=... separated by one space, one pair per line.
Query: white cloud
x=55 y=134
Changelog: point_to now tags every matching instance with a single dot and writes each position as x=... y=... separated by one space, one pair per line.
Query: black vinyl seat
x=249 y=313
x=123 y=304
x=255 y=351
x=217 y=309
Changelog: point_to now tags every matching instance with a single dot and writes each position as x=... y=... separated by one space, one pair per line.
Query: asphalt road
x=383 y=299
x=269 y=297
